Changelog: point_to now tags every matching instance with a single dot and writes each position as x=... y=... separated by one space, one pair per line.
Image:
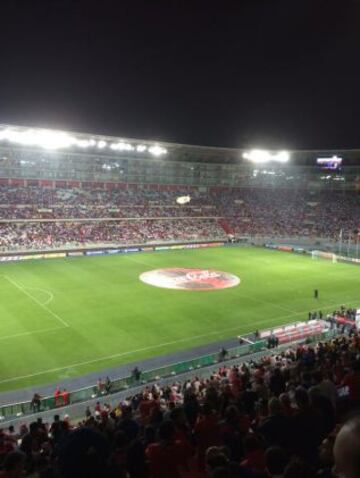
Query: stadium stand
x=37 y=217
x=255 y=419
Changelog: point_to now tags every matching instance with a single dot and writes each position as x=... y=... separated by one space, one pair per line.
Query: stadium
x=132 y=268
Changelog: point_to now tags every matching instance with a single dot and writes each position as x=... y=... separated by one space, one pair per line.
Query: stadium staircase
x=226 y=226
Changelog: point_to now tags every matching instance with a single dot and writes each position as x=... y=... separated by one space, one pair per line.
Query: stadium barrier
x=20 y=256
x=315 y=254
x=117 y=385
x=205 y=362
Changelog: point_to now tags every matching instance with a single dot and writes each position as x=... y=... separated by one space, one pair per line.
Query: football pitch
x=62 y=318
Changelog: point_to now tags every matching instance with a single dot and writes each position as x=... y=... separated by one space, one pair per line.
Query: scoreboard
x=333 y=163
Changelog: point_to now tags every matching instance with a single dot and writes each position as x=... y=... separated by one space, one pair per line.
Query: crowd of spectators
x=41 y=215
x=276 y=417
x=286 y=212
x=48 y=235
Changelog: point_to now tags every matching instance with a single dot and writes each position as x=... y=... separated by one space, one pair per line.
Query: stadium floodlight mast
x=50 y=139
x=261 y=156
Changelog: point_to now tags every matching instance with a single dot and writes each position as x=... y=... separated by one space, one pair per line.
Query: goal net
x=324 y=255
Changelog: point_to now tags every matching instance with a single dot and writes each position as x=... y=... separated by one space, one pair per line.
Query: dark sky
x=270 y=73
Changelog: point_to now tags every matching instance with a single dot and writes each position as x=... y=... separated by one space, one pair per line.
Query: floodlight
x=282 y=157
x=83 y=143
x=259 y=156
x=37 y=137
x=121 y=146
x=49 y=139
x=157 y=150
x=183 y=199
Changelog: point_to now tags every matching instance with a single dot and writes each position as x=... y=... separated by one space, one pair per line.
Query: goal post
x=324 y=255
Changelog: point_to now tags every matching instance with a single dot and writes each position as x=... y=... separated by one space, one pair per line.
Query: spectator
x=36 y=403
x=166 y=455
x=276 y=461
x=276 y=428
x=347 y=449
x=352 y=380
x=13 y=465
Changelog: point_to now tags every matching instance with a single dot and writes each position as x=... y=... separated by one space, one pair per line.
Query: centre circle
x=189 y=279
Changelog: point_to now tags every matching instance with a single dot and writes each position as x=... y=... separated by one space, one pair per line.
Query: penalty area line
x=30 y=332
x=34 y=299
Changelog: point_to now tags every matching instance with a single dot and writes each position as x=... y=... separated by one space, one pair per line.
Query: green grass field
x=65 y=317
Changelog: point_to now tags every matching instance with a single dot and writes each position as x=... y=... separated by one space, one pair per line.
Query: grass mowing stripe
x=18 y=286
x=152 y=347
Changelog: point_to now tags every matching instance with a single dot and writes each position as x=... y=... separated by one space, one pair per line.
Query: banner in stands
x=285 y=248
x=189 y=246
x=53 y=255
x=271 y=246
x=75 y=254
x=298 y=250
x=95 y=253
x=10 y=258
x=50 y=255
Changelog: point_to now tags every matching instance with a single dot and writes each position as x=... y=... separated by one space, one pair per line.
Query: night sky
x=271 y=73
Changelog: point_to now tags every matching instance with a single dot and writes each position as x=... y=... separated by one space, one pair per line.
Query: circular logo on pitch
x=190 y=279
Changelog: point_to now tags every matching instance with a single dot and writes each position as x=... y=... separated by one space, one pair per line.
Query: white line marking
x=245 y=339
x=128 y=256
x=43 y=306
x=31 y=332
x=260 y=301
x=49 y=294
x=153 y=347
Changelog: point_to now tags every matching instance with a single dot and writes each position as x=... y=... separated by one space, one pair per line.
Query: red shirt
x=146 y=407
x=207 y=432
x=165 y=459
x=66 y=397
x=352 y=380
x=255 y=461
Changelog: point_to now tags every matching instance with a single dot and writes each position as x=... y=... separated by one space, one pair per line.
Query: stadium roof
x=58 y=140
